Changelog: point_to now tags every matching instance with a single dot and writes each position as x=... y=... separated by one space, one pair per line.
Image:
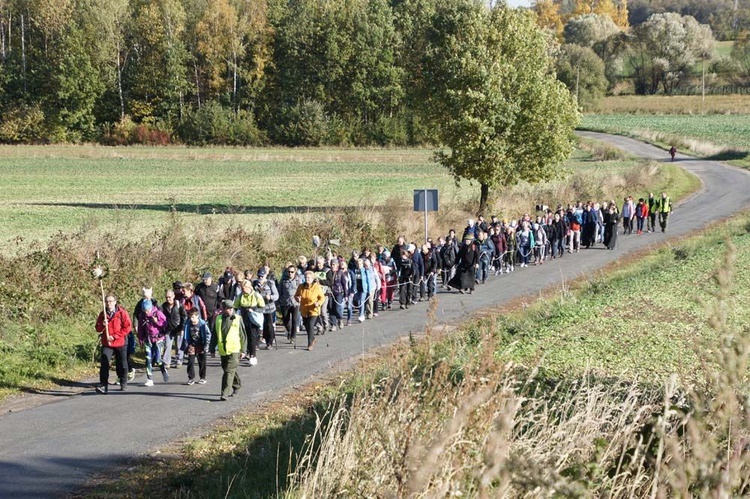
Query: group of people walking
x=238 y=314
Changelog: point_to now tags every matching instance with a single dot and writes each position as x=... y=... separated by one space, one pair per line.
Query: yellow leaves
x=548 y=17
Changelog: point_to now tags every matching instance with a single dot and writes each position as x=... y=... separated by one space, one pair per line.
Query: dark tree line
x=297 y=72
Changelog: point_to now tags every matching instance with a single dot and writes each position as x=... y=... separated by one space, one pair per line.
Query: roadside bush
x=302 y=124
x=23 y=124
x=213 y=124
x=126 y=132
x=388 y=131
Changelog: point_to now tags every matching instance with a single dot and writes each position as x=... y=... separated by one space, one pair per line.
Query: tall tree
x=494 y=98
x=154 y=76
x=664 y=48
x=582 y=71
x=221 y=43
x=548 y=16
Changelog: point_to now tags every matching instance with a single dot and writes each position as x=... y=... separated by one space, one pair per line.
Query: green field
x=726 y=131
x=67 y=189
x=130 y=190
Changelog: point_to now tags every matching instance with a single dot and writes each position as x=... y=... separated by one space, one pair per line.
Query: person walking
x=267 y=289
x=114 y=326
x=246 y=304
x=231 y=341
x=196 y=339
x=311 y=298
x=289 y=305
x=151 y=330
x=467 y=263
x=176 y=317
x=664 y=208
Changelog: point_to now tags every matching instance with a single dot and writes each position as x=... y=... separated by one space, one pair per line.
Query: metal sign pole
x=425 y=216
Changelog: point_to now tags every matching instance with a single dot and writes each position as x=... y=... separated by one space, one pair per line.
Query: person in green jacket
x=231 y=340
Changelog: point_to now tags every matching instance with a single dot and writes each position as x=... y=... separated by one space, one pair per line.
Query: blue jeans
x=337 y=309
x=484 y=268
x=153 y=356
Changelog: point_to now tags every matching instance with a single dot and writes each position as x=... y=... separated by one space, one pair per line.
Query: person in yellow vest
x=311 y=298
x=664 y=208
x=231 y=340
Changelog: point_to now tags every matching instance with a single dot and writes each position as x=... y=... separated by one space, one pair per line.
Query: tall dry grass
x=453 y=422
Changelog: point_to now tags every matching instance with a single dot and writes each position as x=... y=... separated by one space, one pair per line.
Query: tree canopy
x=494 y=96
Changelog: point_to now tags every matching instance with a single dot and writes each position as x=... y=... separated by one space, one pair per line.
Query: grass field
x=130 y=190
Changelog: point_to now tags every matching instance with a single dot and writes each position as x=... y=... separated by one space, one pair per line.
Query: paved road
x=51 y=449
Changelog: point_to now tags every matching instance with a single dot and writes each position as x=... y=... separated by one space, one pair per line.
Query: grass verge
x=623 y=384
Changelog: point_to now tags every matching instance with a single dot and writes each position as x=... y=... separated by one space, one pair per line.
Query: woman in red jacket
x=114 y=327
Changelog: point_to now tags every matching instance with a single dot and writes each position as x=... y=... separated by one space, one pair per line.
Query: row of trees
x=657 y=55
x=466 y=74
x=304 y=71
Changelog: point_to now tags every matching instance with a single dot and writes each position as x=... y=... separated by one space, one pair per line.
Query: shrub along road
x=53 y=448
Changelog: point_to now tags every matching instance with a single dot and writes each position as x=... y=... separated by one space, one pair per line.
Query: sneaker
x=149 y=382
x=131 y=375
x=223 y=398
x=253 y=360
x=165 y=375
x=123 y=386
x=361 y=318
x=235 y=391
x=102 y=389
x=201 y=381
x=191 y=382
x=333 y=328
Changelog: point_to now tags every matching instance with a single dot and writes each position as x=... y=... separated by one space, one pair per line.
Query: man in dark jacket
x=417 y=277
x=557 y=236
x=447 y=260
x=398 y=250
x=176 y=317
x=431 y=268
x=209 y=293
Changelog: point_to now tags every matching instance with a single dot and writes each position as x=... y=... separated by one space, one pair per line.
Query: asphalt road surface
x=51 y=449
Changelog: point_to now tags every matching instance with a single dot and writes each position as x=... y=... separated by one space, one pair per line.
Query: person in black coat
x=611 y=219
x=467 y=262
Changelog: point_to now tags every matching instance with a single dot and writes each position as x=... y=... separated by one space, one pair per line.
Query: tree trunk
x=484 y=194
x=23 y=54
x=119 y=84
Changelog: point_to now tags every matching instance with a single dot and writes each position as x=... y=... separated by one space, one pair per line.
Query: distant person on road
x=673 y=152
x=231 y=340
x=114 y=325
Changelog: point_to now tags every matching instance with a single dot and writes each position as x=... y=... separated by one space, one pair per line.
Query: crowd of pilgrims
x=329 y=292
